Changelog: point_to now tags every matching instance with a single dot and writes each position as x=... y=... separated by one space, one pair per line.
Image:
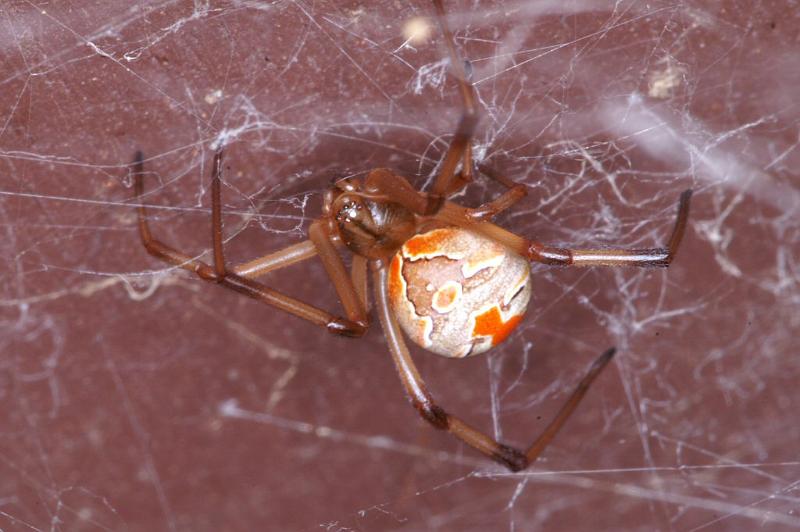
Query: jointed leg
x=358 y=274
x=648 y=257
x=514 y=193
x=489 y=210
x=218 y=273
x=466 y=124
x=422 y=400
x=277 y=260
x=342 y=282
x=155 y=247
x=391 y=187
x=449 y=182
x=216 y=219
x=535 y=251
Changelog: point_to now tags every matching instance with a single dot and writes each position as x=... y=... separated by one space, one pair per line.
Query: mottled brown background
x=137 y=398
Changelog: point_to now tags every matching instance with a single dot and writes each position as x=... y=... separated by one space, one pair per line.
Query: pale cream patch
x=452 y=255
x=462 y=351
x=425 y=329
x=512 y=291
x=447 y=297
x=417 y=30
x=482 y=260
x=431 y=245
x=480 y=345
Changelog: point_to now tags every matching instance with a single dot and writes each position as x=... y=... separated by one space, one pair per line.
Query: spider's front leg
x=538 y=252
x=449 y=181
x=460 y=149
x=647 y=257
x=355 y=324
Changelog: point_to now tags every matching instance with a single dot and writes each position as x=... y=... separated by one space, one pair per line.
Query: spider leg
x=396 y=189
x=276 y=260
x=490 y=209
x=358 y=274
x=463 y=177
x=449 y=182
x=229 y=278
x=460 y=149
x=514 y=193
x=299 y=252
x=538 y=252
x=423 y=401
x=320 y=235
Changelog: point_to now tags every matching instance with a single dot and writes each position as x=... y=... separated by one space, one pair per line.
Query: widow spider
x=456 y=283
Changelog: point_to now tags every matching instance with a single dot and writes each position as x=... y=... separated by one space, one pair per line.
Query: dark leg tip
x=683 y=205
x=138 y=172
x=433 y=414
x=510 y=457
x=348 y=328
x=603 y=359
x=138 y=164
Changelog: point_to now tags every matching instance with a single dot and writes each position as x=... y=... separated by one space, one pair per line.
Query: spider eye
x=350 y=211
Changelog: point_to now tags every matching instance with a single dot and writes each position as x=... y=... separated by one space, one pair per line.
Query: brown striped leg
x=218 y=273
x=422 y=400
x=535 y=251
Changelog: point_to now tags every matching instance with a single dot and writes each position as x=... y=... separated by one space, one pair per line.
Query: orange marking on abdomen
x=396 y=282
x=426 y=244
x=491 y=323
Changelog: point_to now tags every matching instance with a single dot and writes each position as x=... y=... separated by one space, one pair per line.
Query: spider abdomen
x=457 y=293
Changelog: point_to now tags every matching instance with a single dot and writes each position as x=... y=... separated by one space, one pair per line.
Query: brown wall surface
x=138 y=398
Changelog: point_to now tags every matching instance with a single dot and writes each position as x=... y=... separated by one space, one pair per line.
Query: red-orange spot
x=426 y=244
x=396 y=283
x=491 y=323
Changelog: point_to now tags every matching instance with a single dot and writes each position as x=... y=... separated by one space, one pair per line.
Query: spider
x=453 y=281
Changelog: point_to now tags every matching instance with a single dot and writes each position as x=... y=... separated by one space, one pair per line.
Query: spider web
x=140 y=398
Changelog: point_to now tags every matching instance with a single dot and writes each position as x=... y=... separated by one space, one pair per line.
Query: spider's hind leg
x=423 y=401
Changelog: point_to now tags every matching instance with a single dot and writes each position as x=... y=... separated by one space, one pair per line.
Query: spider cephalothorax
x=454 y=281
x=369 y=224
